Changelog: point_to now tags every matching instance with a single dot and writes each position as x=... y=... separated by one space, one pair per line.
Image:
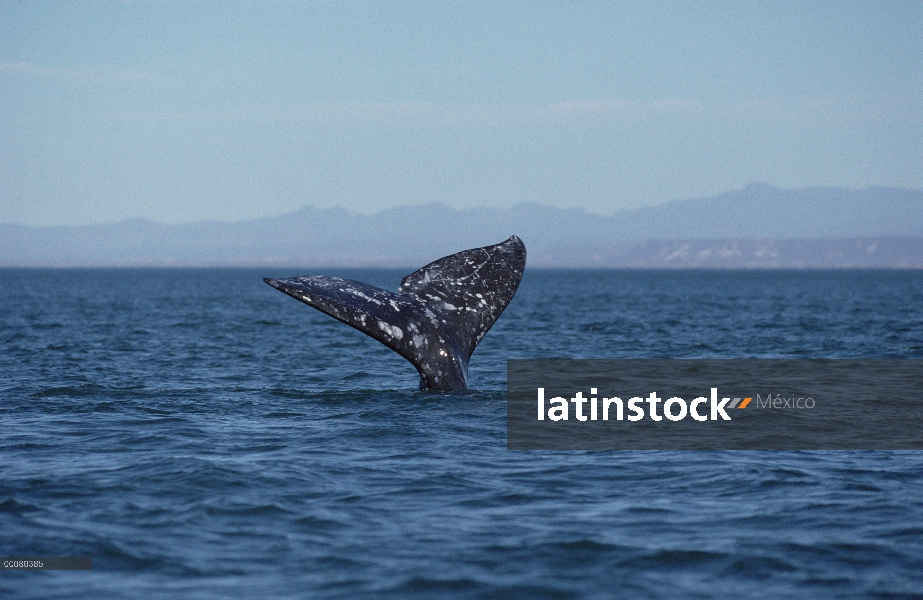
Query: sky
x=182 y=111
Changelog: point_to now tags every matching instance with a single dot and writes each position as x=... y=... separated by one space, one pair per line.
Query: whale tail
x=439 y=313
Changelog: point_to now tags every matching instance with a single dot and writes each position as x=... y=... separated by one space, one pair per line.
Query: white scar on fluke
x=438 y=315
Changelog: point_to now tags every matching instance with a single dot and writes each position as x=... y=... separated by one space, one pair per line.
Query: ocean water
x=201 y=435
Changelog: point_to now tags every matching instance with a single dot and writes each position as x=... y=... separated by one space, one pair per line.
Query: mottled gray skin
x=439 y=314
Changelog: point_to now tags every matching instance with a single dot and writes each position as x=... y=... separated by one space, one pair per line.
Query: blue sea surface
x=200 y=435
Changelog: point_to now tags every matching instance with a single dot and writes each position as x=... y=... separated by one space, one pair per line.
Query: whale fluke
x=438 y=315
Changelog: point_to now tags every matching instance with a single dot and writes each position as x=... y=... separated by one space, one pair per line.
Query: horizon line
x=359 y=213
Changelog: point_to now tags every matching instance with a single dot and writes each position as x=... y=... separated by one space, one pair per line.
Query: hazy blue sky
x=180 y=111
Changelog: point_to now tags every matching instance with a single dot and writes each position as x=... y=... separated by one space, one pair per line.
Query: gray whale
x=438 y=315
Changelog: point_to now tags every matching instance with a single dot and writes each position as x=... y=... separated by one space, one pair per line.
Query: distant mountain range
x=757 y=227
